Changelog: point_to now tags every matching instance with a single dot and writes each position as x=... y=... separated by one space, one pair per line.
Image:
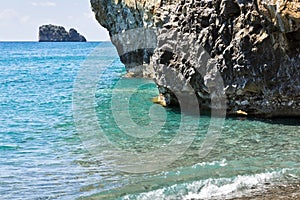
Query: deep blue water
x=51 y=146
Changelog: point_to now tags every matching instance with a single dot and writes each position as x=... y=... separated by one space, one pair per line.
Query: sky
x=20 y=19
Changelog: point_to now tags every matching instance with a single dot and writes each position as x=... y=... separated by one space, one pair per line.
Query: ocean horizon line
x=51 y=42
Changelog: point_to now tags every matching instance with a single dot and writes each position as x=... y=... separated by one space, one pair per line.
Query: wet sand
x=288 y=191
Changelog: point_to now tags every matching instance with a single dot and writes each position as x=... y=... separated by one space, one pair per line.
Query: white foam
x=221 y=163
x=152 y=195
x=210 y=188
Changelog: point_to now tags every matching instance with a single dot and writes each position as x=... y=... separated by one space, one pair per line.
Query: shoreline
x=278 y=191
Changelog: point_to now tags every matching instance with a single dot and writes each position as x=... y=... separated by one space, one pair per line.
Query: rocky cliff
x=53 y=33
x=247 y=49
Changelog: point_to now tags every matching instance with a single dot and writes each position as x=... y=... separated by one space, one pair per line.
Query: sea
x=73 y=127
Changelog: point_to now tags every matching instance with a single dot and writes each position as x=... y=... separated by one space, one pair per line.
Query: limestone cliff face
x=125 y=15
x=253 y=45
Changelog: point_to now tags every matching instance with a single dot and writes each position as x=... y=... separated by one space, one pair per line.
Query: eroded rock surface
x=132 y=15
x=249 y=48
x=53 y=33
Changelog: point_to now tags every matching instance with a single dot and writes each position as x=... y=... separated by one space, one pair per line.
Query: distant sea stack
x=53 y=33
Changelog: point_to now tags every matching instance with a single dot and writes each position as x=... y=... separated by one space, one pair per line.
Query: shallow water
x=44 y=153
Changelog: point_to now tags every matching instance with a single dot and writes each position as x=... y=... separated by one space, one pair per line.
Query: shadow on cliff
x=290 y=121
x=284 y=121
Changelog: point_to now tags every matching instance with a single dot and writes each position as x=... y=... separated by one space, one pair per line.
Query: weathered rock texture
x=53 y=33
x=119 y=16
x=254 y=46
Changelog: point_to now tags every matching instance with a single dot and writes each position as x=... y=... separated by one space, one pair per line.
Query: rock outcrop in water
x=53 y=33
x=254 y=44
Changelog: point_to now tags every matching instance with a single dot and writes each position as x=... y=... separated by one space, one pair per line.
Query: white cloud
x=8 y=14
x=43 y=4
x=89 y=15
x=12 y=15
x=24 y=19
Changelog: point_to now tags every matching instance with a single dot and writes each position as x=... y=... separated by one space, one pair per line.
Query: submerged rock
x=53 y=33
x=248 y=48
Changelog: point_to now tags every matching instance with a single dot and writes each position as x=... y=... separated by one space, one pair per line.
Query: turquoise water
x=44 y=153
